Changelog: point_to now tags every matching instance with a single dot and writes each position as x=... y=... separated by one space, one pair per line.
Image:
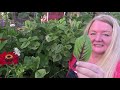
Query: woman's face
x=100 y=34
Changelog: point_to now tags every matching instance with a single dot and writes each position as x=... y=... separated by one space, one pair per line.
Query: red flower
x=8 y=58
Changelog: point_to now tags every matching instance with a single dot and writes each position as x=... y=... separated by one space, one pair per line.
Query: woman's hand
x=88 y=70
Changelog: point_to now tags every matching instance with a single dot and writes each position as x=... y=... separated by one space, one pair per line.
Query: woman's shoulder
x=72 y=63
x=117 y=70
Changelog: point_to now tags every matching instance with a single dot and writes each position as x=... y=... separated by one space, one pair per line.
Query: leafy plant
x=45 y=48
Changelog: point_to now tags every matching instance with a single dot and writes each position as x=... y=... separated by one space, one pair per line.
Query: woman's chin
x=99 y=51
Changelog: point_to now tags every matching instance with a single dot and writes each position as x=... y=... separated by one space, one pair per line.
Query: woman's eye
x=106 y=34
x=92 y=33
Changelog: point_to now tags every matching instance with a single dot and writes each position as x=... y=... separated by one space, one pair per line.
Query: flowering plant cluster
x=10 y=57
x=37 y=49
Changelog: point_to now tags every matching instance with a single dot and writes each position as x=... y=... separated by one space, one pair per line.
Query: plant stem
x=57 y=73
x=7 y=73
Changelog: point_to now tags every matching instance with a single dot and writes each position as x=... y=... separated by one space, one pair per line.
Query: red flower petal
x=3 y=60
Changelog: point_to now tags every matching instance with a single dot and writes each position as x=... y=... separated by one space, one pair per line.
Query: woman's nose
x=98 y=38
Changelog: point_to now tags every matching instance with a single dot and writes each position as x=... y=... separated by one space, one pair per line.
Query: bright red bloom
x=8 y=58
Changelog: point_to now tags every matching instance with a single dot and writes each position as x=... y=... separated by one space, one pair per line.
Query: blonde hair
x=111 y=57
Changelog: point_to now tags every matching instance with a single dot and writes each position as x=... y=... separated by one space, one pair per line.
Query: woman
x=104 y=33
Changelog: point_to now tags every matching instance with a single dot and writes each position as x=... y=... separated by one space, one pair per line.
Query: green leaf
x=63 y=21
x=32 y=62
x=29 y=39
x=1 y=35
x=34 y=38
x=22 y=39
x=68 y=47
x=53 y=47
x=20 y=70
x=27 y=60
x=58 y=48
x=25 y=44
x=30 y=25
x=35 y=62
x=56 y=57
x=27 y=23
x=50 y=37
x=82 y=48
x=2 y=44
x=40 y=73
x=12 y=32
x=62 y=27
x=34 y=45
x=44 y=60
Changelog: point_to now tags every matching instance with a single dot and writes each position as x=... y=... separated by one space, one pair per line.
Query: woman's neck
x=94 y=58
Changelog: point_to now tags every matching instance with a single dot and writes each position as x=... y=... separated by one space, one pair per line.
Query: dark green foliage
x=45 y=48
